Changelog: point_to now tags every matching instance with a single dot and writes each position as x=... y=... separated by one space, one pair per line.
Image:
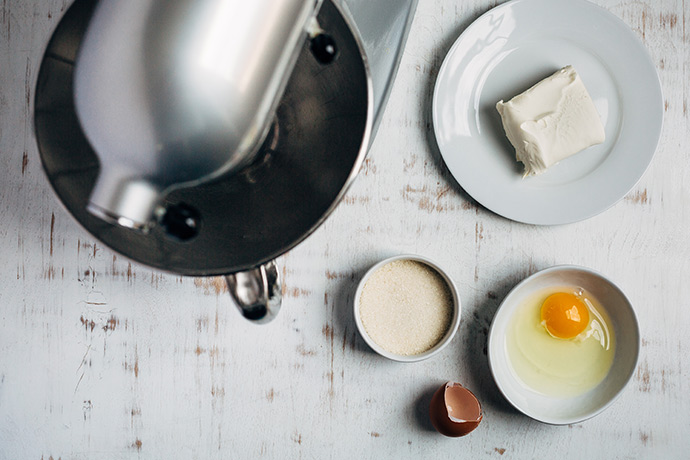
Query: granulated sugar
x=406 y=307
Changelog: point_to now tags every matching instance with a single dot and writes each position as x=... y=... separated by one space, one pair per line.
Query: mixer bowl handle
x=257 y=292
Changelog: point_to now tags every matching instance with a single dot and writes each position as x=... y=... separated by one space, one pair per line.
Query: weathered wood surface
x=102 y=358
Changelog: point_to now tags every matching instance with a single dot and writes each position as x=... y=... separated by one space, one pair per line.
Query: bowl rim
x=455 y=321
x=635 y=331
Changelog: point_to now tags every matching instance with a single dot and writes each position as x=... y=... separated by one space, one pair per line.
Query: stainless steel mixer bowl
x=318 y=143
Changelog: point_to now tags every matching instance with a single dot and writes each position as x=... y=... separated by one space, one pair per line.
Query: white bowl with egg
x=560 y=380
x=407 y=308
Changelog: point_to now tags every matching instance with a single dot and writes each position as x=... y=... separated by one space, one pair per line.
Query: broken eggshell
x=454 y=410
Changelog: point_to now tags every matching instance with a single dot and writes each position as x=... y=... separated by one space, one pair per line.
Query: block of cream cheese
x=551 y=121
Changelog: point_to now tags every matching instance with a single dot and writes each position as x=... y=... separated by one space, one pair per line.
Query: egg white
x=559 y=367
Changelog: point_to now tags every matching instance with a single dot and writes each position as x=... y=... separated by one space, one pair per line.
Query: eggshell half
x=454 y=410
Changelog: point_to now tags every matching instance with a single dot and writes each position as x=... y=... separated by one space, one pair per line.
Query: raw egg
x=454 y=410
x=560 y=342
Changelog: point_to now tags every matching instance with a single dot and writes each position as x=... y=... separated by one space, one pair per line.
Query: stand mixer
x=208 y=138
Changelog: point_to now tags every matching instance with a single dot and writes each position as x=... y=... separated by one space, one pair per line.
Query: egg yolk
x=564 y=315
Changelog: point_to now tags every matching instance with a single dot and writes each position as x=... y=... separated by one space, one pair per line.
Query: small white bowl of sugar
x=407 y=308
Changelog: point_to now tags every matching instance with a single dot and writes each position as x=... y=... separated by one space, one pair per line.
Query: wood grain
x=103 y=358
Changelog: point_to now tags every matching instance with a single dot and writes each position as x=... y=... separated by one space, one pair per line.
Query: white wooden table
x=101 y=358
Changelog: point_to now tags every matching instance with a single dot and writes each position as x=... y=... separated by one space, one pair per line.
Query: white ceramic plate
x=506 y=51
